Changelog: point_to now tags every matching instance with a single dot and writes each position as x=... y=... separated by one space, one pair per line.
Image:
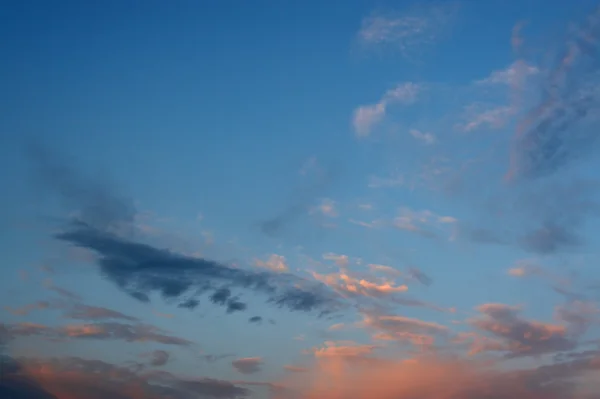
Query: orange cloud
x=342 y=349
x=336 y=377
x=346 y=285
x=76 y=378
x=522 y=337
x=276 y=263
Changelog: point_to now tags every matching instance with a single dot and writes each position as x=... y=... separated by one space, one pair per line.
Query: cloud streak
x=553 y=133
x=103 y=226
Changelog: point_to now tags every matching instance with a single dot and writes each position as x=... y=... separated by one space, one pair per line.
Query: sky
x=300 y=200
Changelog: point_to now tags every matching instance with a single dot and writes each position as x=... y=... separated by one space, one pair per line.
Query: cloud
x=420 y=276
x=26 y=309
x=422 y=222
x=366 y=117
x=432 y=377
x=522 y=337
x=553 y=133
x=140 y=269
x=343 y=349
x=100 y=331
x=423 y=137
x=340 y=260
x=276 y=263
x=158 y=358
x=248 y=365
x=327 y=208
x=302 y=202
x=403 y=329
x=557 y=212
x=336 y=327
x=492 y=117
x=73 y=377
x=579 y=315
x=405 y=32
x=296 y=369
x=85 y=312
x=549 y=238
x=523 y=269
x=255 y=319
x=349 y=286
x=514 y=75
x=63 y=292
x=190 y=304
x=222 y=296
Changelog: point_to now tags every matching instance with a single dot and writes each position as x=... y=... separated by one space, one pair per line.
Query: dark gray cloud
x=103 y=224
x=550 y=238
x=554 y=133
x=255 y=319
x=100 y=331
x=191 y=304
x=248 y=365
x=522 y=337
x=140 y=269
x=159 y=358
x=420 y=276
x=222 y=296
x=94 y=379
x=557 y=212
x=16 y=385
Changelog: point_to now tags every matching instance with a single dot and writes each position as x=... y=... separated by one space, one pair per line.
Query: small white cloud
x=326 y=208
x=423 y=137
x=447 y=219
x=369 y=225
x=492 y=118
x=384 y=269
x=309 y=165
x=514 y=75
x=524 y=268
x=405 y=32
x=366 y=117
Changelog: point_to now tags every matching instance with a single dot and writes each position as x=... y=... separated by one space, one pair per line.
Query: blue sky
x=410 y=186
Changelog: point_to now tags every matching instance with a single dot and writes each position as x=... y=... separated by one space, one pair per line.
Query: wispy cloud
x=366 y=117
x=406 y=32
x=349 y=286
x=99 y=331
x=514 y=75
x=423 y=222
x=74 y=377
x=276 y=263
x=248 y=365
x=553 y=133
x=522 y=337
x=424 y=137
